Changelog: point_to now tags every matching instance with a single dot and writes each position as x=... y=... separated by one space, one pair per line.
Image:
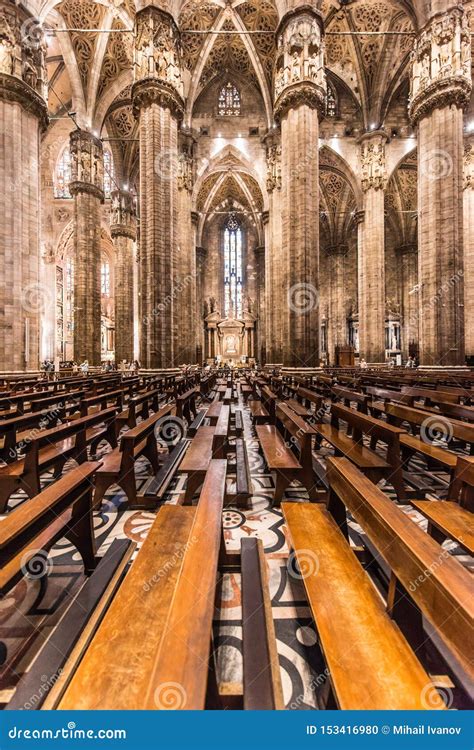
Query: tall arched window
x=105 y=278
x=232 y=268
x=331 y=102
x=109 y=174
x=229 y=100
x=62 y=176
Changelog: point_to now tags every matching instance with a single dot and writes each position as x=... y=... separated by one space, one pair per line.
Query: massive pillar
x=408 y=264
x=275 y=270
x=337 y=322
x=87 y=189
x=158 y=105
x=260 y=347
x=299 y=99
x=201 y=255
x=469 y=246
x=124 y=233
x=441 y=87
x=371 y=249
x=185 y=265
x=23 y=115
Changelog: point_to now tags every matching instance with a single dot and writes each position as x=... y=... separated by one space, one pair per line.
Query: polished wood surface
x=370 y=663
x=117 y=668
x=452 y=520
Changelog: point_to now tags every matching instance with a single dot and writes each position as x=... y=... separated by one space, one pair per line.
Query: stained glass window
x=232 y=268
x=105 y=279
x=229 y=100
x=331 y=102
x=109 y=173
x=62 y=177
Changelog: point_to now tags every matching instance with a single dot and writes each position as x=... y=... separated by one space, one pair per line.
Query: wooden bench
x=369 y=663
x=370 y=463
x=413 y=444
x=196 y=461
x=186 y=405
x=453 y=518
x=243 y=481
x=349 y=397
x=424 y=580
x=281 y=459
x=50 y=449
x=213 y=412
x=221 y=433
x=196 y=423
x=102 y=401
x=258 y=412
x=70 y=637
x=138 y=406
x=64 y=509
x=157 y=631
x=118 y=467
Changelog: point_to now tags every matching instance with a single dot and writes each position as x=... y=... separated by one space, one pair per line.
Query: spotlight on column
x=470 y=126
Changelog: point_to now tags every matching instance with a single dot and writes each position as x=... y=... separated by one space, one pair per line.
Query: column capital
x=337 y=250
x=300 y=77
x=372 y=160
x=157 y=65
x=87 y=165
x=123 y=220
x=23 y=75
x=441 y=64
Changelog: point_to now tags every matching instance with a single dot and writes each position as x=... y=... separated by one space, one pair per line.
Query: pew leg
x=6 y=489
x=192 y=483
x=437 y=535
x=129 y=486
x=102 y=484
x=402 y=608
x=80 y=532
x=281 y=484
x=337 y=509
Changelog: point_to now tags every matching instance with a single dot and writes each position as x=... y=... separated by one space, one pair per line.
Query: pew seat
x=446 y=519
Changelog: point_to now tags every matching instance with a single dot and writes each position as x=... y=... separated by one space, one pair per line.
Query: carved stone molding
x=123 y=221
x=273 y=168
x=441 y=65
x=372 y=161
x=13 y=89
x=150 y=91
x=468 y=163
x=298 y=94
x=87 y=165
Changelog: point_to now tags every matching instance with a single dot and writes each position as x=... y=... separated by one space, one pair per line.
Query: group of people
x=411 y=362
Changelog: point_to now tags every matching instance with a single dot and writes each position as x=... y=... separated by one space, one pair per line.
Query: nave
x=234 y=561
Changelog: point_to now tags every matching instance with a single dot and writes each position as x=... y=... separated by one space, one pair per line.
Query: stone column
x=300 y=91
x=261 y=310
x=469 y=246
x=123 y=228
x=201 y=255
x=87 y=189
x=337 y=323
x=23 y=116
x=275 y=314
x=408 y=264
x=158 y=106
x=371 y=249
x=440 y=89
x=185 y=270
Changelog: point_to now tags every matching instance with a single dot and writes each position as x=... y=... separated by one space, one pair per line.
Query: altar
x=230 y=340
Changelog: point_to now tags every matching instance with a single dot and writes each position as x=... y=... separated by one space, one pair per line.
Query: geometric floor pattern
x=27 y=615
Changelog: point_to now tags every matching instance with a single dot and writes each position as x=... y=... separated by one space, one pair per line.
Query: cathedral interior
x=224 y=213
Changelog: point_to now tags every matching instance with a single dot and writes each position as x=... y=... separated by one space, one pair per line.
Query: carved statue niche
x=296 y=66
x=7 y=47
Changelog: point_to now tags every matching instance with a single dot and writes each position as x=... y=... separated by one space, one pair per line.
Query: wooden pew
x=349 y=397
x=196 y=461
x=369 y=663
x=64 y=509
x=73 y=631
x=138 y=406
x=281 y=459
x=118 y=467
x=132 y=660
x=221 y=433
x=370 y=463
x=243 y=481
x=50 y=449
x=417 y=418
x=213 y=412
x=421 y=573
x=186 y=405
x=453 y=518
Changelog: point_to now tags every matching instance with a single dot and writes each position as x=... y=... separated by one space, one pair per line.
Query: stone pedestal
x=124 y=233
x=87 y=189
x=371 y=249
x=24 y=296
x=441 y=87
x=158 y=105
x=299 y=99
